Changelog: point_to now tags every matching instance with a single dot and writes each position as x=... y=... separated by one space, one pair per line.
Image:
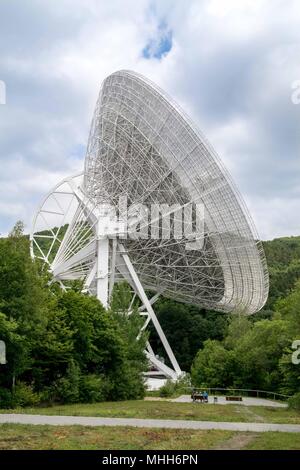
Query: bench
x=197 y=396
x=234 y=398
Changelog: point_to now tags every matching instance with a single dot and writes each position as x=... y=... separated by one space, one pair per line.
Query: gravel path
x=247 y=401
x=145 y=423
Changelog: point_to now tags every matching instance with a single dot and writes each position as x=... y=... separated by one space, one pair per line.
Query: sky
x=231 y=65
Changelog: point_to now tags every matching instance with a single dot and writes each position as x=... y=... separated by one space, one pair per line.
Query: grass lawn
x=20 y=436
x=275 y=441
x=141 y=409
x=170 y=410
x=277 y=415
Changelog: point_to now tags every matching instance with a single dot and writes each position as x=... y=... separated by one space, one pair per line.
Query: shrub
x=64 y=392
x=66 y=389
x=127 y=384
x=24 y=396
x=171 y=388
x=168 y=389
x=183 y=384
x=294 y=402
x=93 y=388
x=5 y=398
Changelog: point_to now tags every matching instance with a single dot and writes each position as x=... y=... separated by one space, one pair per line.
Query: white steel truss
x=143 y=147
x=88 y=249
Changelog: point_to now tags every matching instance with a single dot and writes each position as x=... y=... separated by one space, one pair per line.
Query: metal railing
x=243 y=392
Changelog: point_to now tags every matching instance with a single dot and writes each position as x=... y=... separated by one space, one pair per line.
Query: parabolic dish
x=143 y=147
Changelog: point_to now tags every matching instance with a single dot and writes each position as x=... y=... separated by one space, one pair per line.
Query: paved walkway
x=145 y=423
x=247 y=401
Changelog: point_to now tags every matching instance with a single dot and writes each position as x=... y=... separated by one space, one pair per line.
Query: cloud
x=230 y=65
x=160 y=44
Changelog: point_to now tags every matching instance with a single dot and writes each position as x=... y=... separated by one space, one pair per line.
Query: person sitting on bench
x=197 y=396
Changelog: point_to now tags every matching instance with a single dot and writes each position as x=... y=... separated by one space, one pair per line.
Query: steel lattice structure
x=143 y=147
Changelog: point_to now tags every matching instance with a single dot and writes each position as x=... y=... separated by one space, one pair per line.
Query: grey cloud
x=235 y=82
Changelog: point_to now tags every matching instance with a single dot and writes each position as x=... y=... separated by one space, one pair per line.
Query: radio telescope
x=145 y=152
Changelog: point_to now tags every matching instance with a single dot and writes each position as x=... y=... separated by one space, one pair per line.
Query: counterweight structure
x=143 y=152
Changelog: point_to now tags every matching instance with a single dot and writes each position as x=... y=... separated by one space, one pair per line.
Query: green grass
x=170 y=410
x=153 y=393
x=33 y=437
x=277 y=415
x=275 y=441
x=19 y=436
x=142 y=409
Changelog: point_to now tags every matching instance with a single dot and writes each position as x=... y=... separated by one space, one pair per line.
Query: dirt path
x=249 y=413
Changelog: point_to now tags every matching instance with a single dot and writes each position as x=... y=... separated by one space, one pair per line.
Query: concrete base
x=154 y=383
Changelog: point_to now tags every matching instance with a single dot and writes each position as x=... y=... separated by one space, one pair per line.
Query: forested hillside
x=253 y=352
x=64 y=346
x=283 y=256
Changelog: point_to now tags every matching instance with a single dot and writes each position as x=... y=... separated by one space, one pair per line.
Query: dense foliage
x=234 y=351
x=256 y=352
x=186 y=327
x=62 y=345
x=65 y=347
x=283 y=256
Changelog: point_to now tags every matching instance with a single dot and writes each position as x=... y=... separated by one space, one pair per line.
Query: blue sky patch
x=160 y=45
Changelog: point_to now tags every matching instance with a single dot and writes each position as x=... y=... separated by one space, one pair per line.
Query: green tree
x=259 y=352
x=63 y=344
x=97 y=343
x=239 y=325
x=290 y=383
x=129 y=382
x=212 y=366
x=23 y=301
x=186 y=327
x=289 y=309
